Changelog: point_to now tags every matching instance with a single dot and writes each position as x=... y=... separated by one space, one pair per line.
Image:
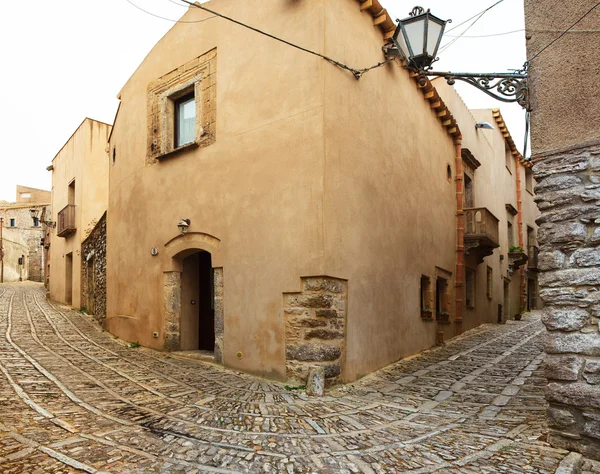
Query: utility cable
x=167 y=19
x=356 y=72
x=478 y=17
x=474 y=16
x=486 y=36
x=564 y=32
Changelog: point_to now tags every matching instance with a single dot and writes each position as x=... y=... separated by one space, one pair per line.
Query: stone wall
x=93 y=272
x=568 y=194
x=31 y=234
x=315 y=328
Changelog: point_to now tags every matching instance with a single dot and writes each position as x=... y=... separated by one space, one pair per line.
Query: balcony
x=66 y=221
x=533 y=252
x=481 y=232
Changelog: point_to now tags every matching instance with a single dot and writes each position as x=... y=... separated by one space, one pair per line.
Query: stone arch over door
x=177 y=249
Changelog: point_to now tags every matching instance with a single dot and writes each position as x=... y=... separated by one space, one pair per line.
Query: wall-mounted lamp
x=184 y=225
x=34 y=213
x=484 y=125
x=417 y=40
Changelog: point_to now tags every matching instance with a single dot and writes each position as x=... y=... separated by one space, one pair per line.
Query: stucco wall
x=30 y=234
x=257 y=189
x=83 y=159
x=389 y=210
x=564 y=77
x=15 y=247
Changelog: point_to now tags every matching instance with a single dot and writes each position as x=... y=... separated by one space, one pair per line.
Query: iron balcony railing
x=481 y=223
x=66 y=221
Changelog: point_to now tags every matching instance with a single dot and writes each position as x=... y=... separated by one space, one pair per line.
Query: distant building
x=18 y=219
x=79 y=200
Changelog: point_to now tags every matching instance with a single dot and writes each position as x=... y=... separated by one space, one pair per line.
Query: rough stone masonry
x=568 y=195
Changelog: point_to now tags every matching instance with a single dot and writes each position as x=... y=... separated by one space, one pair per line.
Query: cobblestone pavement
x=73 y=399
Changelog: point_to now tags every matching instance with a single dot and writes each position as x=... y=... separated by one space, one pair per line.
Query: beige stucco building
x=21 y=226
x=498 y=283
x=79 y=199
x=266 y=206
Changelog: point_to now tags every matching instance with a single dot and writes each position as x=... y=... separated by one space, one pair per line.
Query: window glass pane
x=186 y=121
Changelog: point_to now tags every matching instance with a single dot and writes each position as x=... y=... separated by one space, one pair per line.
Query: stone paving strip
x=74 y=399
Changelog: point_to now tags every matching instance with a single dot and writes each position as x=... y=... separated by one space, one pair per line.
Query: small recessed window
x=36 y=222
x=12 y=222
x=185 y=120
x=448 y=172
x=25 y=195
x=114 y=157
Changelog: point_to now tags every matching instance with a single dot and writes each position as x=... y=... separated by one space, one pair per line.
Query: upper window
x=508 y=159
x=12 y=222
x=529 y=180
x=185 y=120
x=36 y=222
x=25 y=195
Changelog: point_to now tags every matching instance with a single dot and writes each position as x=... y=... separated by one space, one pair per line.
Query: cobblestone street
x=74 y=399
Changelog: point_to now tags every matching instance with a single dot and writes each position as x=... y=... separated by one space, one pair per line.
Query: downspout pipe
x=460 y=236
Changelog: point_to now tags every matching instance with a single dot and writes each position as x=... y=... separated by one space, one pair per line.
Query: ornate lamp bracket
x=506 y=87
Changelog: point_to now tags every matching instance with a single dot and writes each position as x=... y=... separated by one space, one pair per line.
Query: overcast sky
x=65 y=60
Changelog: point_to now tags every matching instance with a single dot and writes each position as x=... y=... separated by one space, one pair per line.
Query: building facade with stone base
x=312 y=202
x=565 y=139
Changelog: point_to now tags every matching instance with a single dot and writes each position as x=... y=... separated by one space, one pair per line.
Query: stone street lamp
x=417 y=39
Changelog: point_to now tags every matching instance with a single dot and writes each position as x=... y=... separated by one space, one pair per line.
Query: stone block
x=324 y=284
x=324 y=334
x=561 y=233
x=563 y=367
x=561 y=418
x=591 y=372
x=582 y=297
x=313 y=352
x=327 y=313
x=332 y=370
x=315 y=384
x=572 y=342
x=557 y=182
x=595 y=238
x=578 y=394
x=559 y=165
x=551 y=260
x=308 y=323
x=311 y=301
x=565 y=319
x=570 y=277
x=586 y=257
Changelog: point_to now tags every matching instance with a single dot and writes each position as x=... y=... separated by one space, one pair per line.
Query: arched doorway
x=197 y=303
x=194 y=293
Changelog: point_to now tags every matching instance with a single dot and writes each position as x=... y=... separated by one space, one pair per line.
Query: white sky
x=64 y=60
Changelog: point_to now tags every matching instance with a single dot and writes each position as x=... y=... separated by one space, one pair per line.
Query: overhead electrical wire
x=474 y=16
x=486 y=36
x=564 y=32
x=356 y=72
x=167 y=19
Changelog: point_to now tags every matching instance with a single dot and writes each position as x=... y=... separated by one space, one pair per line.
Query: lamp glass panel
x=414 y=33
x=400 y=41
x=434 y=31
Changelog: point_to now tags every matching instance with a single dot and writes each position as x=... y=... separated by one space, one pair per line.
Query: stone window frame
x=426 y=296
x=198 y=76
x=168 y=100
x=12 y=222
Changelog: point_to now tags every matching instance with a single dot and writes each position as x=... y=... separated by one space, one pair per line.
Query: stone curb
x=570 y=464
